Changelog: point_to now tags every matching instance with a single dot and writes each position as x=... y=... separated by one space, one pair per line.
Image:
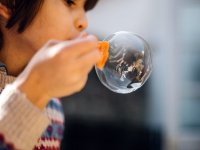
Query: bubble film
x=129 y=63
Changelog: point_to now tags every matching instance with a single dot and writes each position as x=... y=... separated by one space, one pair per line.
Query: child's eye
x=70 y=2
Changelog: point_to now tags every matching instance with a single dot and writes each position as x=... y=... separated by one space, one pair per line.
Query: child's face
x=58 y=20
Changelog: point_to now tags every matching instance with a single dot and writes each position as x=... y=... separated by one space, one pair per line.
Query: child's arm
x=59 y=69
x=21 y=123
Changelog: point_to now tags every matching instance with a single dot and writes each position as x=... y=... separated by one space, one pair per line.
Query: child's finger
x=87 y=61
x=80 y=47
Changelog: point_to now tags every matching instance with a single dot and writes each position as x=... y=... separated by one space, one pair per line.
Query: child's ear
x=4 y=12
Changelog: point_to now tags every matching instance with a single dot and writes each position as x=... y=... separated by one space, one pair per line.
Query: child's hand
x=58 y=69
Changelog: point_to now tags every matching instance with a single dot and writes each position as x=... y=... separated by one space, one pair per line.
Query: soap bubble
x=129 y=64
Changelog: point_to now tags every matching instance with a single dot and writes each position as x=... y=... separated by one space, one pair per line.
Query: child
x=31 y=74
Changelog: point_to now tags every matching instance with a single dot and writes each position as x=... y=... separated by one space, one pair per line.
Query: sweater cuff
x=21 y=122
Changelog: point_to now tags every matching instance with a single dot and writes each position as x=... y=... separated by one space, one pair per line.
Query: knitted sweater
x=22 y=125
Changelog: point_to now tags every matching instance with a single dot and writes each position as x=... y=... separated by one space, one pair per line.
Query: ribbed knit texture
x=24 y=121
x=5 y=79
x=17 y=116
x=51 y=138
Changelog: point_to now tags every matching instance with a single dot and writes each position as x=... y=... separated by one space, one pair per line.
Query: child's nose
x=81 y=23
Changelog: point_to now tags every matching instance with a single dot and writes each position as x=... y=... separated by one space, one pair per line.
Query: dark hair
x=24 y=11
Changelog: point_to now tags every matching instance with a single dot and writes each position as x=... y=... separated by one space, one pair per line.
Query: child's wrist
x=33 y=91
x=38 y=100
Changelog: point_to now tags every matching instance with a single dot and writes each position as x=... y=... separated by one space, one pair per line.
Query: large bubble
x=129 y=63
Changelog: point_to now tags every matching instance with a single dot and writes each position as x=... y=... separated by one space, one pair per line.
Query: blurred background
x=164 y=114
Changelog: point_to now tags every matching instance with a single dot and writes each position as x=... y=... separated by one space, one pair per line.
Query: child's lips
x=83 y=34
x=79 y=36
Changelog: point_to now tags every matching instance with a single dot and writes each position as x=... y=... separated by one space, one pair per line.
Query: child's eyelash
x=70 y=2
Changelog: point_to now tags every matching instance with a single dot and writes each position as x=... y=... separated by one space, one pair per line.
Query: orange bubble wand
x=104 y=50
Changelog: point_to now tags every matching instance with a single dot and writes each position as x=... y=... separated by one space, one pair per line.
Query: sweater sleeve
x=21 y=123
